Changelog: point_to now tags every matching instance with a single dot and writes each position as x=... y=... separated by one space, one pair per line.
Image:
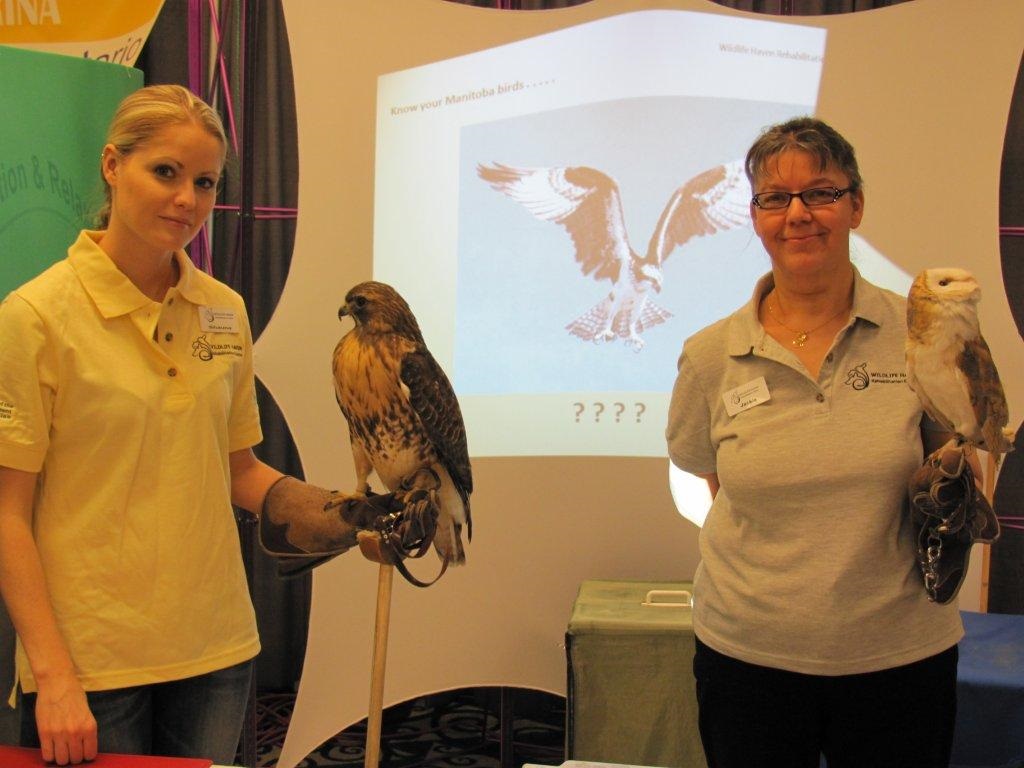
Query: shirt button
x=819 y=397
x=168 y=336
x=174 y=372
x=170 y=300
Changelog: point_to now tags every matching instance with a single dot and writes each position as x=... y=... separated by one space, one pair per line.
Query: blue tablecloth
x=990 y=693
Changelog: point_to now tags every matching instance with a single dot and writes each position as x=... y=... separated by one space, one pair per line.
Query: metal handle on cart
x=650 y=599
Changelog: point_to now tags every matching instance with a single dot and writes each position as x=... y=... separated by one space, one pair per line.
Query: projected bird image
x=401 y=409
x=949 y=365
x=588 y=205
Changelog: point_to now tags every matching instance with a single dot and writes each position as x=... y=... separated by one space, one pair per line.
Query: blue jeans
x=195 y=717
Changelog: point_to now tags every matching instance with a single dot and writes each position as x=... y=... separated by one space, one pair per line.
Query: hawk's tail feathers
x=448 y=541
x=652 y=315
x=587 y=326
x=594 y=326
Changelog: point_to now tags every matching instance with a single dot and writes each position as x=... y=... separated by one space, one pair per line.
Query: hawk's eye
x=360 y=301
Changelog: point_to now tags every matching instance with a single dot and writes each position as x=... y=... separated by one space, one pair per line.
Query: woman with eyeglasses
x=814 y=632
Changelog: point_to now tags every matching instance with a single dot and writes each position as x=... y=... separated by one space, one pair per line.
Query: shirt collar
x=112 y=292
x=746 y=331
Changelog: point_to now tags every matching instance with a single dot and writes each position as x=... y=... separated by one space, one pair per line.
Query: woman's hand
x=67 y=728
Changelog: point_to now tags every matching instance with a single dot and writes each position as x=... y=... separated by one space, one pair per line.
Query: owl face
x=953 y=284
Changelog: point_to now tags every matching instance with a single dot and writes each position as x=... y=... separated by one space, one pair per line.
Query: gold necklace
x=800 y=337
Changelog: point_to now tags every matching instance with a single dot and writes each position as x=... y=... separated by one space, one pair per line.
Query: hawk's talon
x=338 y=498
x=423 y=479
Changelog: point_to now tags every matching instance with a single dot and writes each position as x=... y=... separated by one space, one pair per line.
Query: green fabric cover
x=631 y=696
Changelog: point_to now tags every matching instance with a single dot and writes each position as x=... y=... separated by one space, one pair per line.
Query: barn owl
x=401 y=409
x=949 y=365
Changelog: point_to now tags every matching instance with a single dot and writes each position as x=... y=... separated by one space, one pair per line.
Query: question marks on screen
x=598 y=409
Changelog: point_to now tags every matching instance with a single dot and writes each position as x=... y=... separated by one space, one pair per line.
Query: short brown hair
x=806 y=134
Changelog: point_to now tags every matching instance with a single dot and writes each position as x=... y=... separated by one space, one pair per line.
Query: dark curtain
x=282 y=607
x=1006 y=576
x=806 y=7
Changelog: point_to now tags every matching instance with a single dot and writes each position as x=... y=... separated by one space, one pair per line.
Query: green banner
x=55 y=115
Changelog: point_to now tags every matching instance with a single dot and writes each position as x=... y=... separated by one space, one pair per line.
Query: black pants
x=759 y=717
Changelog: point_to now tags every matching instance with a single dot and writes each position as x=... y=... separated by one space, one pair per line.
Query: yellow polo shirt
x=128 y=409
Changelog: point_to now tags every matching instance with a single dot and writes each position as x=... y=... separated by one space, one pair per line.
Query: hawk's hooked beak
x=342 y=311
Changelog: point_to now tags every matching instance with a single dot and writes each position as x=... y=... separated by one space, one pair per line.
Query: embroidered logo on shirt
x=206 y=351
x=860 y=377
x=201 y=349
x=6 y=410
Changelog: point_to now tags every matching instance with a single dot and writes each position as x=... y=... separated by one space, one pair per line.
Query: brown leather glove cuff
x=949 y=514
x=304 y=526
x=297 y=519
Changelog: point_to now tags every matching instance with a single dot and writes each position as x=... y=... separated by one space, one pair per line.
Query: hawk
x=587 y=203
x=401 y=409
x=949 y=365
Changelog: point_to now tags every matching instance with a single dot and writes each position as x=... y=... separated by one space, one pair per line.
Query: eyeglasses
x=812 y=198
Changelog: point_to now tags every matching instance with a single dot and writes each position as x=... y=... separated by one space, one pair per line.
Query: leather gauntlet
x=949 y=514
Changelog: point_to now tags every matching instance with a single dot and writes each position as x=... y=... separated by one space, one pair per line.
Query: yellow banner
x=111 y=30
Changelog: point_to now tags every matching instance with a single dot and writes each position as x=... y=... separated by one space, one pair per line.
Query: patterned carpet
x=457 y=729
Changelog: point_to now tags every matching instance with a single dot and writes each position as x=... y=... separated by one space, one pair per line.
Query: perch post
x=369 y=544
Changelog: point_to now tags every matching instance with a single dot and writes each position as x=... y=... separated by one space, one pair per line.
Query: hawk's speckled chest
x=367 y=375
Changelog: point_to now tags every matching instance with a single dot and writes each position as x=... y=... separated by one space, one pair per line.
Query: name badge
x=746 y=396
x=218 y=320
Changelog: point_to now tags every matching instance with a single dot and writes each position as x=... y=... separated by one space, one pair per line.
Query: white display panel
x=545 y=522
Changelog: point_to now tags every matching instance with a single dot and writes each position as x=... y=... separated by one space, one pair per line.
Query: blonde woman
x=129 y=418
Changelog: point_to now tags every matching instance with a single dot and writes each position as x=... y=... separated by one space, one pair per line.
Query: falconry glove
x=950 y=514
x=304 y=525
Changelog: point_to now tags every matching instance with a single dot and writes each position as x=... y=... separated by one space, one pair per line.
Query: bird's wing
x=986 y=391
x=433 y=399
x=923 y=392
x=583 y=200
x=712 y=201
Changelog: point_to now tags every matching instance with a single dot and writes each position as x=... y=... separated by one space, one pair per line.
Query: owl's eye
x=944 y=282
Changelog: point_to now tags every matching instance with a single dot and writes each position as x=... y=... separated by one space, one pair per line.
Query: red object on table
x=23 y=757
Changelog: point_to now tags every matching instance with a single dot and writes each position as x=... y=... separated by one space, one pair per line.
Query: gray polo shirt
x=807 y=555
